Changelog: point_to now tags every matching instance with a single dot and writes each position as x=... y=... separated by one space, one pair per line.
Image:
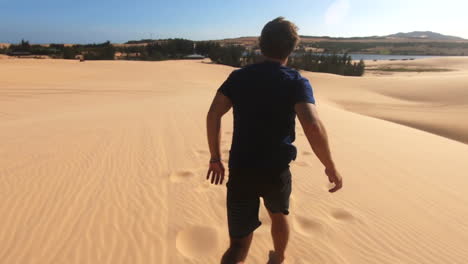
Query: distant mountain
x=423 y=35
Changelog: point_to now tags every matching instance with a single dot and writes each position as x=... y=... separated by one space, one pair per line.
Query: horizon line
x=220 y=39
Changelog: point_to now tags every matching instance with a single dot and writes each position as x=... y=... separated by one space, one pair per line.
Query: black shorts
x=244 y=189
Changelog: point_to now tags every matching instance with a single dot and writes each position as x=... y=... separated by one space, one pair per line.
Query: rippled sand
x=104 y=162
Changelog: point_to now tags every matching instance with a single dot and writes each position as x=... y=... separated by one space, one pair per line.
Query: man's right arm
x=317 y=137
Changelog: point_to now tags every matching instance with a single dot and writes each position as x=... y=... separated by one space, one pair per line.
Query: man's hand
x=216 y=171
x=334 y=177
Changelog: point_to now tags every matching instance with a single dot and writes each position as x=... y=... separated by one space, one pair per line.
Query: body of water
x=378 y=57
x=372 y=57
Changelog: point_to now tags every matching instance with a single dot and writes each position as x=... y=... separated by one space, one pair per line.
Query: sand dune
x=104 y=162
x=454 y=63
x=433 y=102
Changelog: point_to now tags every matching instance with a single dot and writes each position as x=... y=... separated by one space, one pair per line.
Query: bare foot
x=273 y=258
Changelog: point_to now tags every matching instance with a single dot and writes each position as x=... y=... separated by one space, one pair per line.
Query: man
x=265 y=97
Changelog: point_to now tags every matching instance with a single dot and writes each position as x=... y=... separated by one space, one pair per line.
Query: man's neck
x=281 y=61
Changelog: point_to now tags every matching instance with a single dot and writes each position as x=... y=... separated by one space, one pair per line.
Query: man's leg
x=280 y=234
x=238 y=250
x=243 y=204
x=276 y=200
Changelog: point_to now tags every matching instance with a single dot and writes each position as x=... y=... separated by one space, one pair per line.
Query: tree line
x=172 y=49
x=328 y=63
x=102 y=51
x=238 y=55
x=24 y=48
x=168 y=49
x=316 y=62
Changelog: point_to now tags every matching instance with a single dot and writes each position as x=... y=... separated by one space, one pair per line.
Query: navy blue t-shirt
x=263 y=96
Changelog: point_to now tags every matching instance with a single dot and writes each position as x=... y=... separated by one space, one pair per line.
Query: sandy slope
x=104 y=162
x=3 y=57
x=434 y=102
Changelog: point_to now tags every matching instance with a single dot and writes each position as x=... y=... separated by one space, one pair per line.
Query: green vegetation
x=170 y=49
x=143 y=41
x=167 y=49
x=24 y=48
x=103 y=51
x=327 y=63
x=236 y=55
x=204 y=47
x=336 y=64
x=227 y=55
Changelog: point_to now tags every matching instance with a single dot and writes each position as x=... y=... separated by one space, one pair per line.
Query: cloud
x=337 y=11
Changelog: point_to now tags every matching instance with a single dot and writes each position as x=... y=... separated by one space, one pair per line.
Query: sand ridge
x=434 y=102
x=105 y=162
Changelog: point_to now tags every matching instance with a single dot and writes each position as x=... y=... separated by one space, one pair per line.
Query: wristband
x=215 y=160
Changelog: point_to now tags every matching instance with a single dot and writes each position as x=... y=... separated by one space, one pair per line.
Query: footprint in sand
x=307 y=225
x=343 y=215
x=182 y=175
x=202 y=152
x=301 y=163
x=203 y=187
x=197 y=241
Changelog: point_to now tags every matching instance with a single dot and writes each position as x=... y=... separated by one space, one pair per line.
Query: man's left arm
x=220 y=106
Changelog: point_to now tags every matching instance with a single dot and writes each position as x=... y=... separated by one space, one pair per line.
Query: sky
x=92 y=21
